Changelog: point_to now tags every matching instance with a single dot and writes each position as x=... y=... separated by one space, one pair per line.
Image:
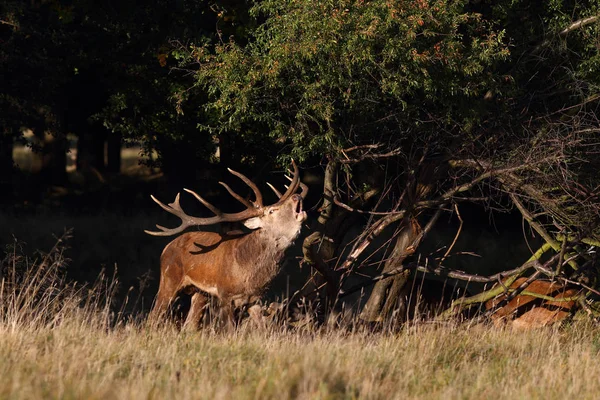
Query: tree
x=427 y=92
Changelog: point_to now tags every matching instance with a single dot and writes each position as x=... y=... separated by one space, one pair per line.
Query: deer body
x=235 y=268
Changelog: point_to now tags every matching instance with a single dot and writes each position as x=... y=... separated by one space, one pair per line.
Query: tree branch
x=3 y=22
x=579 y=24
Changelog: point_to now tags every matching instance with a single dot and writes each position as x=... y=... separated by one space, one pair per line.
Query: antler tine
x=303 y=190
x=277 y=192
x=175 y=209
x=206 y=204
x=303 y=187
x=259 y=199
x=293 y=185
x=237 y=196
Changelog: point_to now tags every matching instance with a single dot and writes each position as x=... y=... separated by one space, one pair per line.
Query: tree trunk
x=318 y=239
x=324 y=243
x=385 y=297
x=6 y=159
x=385 y=294
x=113 y=153
x=6 y=163
x=50 y=157
x=90 y=149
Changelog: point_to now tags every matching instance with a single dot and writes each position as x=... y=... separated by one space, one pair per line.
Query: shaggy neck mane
x=259 y=248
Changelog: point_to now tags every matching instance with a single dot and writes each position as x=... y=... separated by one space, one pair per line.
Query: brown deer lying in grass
x=542 y=303
x=235 y=268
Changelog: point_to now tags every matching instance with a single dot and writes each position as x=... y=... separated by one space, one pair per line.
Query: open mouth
x=300 y=215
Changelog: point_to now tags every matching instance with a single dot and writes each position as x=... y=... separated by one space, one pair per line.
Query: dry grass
x=78 y=359
x=63 y=341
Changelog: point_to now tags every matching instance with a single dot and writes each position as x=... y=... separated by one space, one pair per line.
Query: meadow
x=63 y=340
x=68 y=332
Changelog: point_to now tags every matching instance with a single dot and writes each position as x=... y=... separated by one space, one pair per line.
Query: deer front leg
x=227 y=316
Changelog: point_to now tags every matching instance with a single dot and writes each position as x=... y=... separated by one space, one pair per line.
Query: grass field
x=80 y=359
x=59 y=340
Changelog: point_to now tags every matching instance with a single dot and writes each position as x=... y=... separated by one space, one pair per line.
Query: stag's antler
x=253 y=209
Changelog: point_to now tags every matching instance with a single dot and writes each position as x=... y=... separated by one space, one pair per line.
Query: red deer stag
x=235 y=268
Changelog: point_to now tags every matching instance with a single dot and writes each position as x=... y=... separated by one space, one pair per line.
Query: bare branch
x=361 y=147
x=367 y=155
x=338 y=202
x=440 y=271
x=579 y=24
x=455 y=237
x=3 y=22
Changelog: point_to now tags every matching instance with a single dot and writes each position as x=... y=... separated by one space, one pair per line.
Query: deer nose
x=297 y=197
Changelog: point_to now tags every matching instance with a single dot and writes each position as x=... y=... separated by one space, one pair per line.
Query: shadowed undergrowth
x=62 y=340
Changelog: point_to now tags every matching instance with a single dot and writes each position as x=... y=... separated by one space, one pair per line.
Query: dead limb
x=540 y=230
x=486 y=295
x=442 y=272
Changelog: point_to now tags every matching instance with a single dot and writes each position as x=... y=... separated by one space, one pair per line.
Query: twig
x=561 y=256
x=360 y=147
x=579 y=284
x=338 y=202
x=455 y=237
x=539 y=229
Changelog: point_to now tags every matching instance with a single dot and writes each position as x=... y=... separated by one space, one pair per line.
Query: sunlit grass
x=59 y=340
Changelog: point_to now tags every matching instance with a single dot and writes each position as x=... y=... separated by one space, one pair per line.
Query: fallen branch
x=440 y=271
x=484 y=296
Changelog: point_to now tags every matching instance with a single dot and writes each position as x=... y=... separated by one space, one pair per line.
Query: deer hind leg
x=166 y=294
x=192 y=320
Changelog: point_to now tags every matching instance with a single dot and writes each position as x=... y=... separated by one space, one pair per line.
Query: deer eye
x=271 y=211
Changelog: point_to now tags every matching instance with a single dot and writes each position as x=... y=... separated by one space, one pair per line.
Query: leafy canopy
x=320 y=75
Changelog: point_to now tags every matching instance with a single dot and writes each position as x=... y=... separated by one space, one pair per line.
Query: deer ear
x=253 y=223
